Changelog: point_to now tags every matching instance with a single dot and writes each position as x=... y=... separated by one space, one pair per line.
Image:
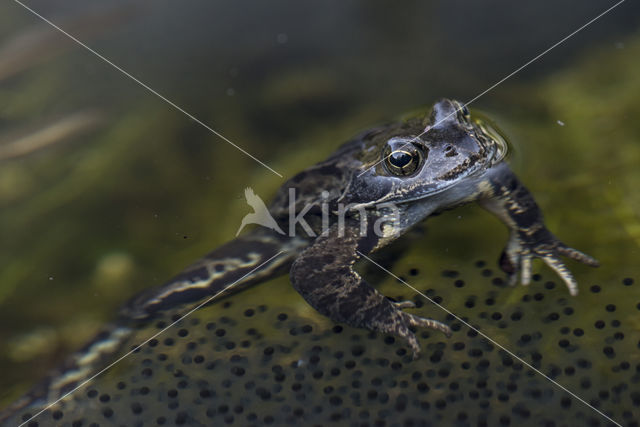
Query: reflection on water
x=158 y=191
x=61 y=130
x=38 y=43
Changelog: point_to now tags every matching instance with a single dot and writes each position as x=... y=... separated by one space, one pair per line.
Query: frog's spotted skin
x=423 y=165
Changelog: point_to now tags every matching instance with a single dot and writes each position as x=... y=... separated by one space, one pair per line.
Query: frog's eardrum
x=241 y=363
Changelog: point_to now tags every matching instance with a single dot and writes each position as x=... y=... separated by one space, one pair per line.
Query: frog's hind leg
x=323 y=274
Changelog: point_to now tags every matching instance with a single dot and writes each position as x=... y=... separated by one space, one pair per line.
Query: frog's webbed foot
x=524 y=247
x=506 y=197
x=419 y=322
x=416 y=322
x=323 y=274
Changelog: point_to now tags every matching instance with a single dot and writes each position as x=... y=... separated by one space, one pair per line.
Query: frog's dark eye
x=402 y=161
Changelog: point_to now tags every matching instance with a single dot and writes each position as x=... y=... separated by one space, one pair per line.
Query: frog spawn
x=246 y=363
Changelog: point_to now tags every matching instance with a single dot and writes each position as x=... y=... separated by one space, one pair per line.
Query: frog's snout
x=443 y=111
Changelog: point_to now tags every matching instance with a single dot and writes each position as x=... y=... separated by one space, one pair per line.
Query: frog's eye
x=402 y=161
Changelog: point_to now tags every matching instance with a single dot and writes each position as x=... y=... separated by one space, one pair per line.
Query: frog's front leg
x=505 y=196
x=323 y=274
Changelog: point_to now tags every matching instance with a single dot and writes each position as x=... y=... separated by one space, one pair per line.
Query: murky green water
x=106 y=190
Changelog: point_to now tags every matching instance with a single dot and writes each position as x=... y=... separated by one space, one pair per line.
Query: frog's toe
x=562 y=271
x=413 y=343
x=419 y=322
x=526 y=270
x=404 y=304
x=578 y=256
x=401 y=328
x=423 y=322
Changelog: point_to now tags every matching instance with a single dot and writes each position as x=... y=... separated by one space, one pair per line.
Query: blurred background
x=105 y=189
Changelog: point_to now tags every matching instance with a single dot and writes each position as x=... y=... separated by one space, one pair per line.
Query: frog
x=413 y=168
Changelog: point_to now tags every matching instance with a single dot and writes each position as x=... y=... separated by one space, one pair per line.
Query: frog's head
x=415 y=163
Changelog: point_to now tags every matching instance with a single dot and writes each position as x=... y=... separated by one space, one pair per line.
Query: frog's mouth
x=405 y=196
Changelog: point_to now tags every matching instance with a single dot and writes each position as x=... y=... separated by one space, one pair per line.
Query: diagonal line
x=502 y=80
x=147 y=87
x=497 y=344
x=139 y=346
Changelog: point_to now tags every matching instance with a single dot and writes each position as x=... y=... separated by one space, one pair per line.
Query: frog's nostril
x=450 y=151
